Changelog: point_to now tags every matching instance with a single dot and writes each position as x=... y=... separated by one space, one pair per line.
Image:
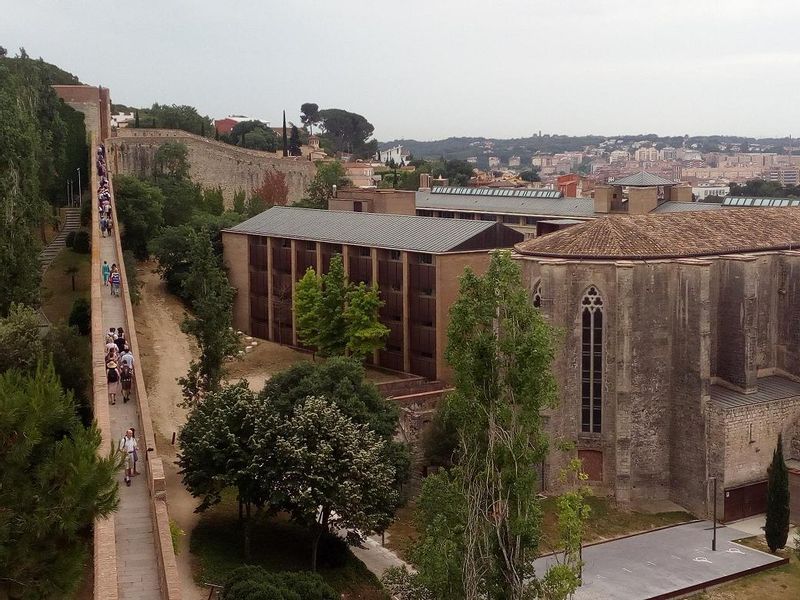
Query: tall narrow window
x=591 y=361
x=537 y=294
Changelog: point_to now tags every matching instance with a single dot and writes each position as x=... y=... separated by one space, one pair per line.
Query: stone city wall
x=211 y=163
x=750 y=436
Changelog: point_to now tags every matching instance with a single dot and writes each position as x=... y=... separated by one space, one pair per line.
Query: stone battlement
x=211 y=163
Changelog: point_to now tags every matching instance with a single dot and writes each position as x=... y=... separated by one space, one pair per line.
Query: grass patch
x=277 y=545
x=57 y=295
x=175 y=532
x=606 y=521
x=776 y=583
x=402 y=533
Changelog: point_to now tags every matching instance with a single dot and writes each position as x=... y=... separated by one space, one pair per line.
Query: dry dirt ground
x=165 y=352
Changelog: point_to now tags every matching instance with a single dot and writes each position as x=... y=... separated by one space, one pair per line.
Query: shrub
x=82 y=243
x=80 y=316
x=256 y=583
x=86 y=213
x=70 y=240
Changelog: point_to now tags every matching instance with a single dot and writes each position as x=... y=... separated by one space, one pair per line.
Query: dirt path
x=165 y=353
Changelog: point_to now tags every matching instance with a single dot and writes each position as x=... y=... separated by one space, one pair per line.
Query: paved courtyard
x=660 y=562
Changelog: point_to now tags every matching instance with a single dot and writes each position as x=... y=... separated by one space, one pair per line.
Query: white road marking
x=734 y=550
x=701 y=559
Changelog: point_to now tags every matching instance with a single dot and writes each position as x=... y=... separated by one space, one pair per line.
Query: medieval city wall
x=750 y=436
x=788 y=283
x=211 y=163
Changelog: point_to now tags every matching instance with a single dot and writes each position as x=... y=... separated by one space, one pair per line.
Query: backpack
x=126 y=374
x=113 y=376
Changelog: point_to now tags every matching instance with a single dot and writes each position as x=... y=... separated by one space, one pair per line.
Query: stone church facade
x=680 y=353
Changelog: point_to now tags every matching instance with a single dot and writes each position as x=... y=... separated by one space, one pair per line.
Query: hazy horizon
x=433 y=70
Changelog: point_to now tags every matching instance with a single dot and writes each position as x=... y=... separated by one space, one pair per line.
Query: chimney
x=425 y=181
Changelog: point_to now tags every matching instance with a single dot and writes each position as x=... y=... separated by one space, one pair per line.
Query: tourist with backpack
x=126 y=380
x=113 y=381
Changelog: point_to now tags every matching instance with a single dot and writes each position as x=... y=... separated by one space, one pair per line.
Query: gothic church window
x=592 y=361
x=537 y=294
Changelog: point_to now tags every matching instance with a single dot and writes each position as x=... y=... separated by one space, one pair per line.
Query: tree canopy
x=310 y=115
x=254 y=135
x=140 y=207
x=44 y=514
x=344 y=131
x=776 y=528
x=320 y=190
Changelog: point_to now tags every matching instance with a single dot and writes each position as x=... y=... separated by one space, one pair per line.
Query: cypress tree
x=776 y=529
x=136 y=120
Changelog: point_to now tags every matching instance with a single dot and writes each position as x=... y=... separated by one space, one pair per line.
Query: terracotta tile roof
x=673 y=235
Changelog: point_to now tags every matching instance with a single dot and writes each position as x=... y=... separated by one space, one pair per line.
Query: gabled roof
x=396 y=232
x=642 y=179
x=673 y=235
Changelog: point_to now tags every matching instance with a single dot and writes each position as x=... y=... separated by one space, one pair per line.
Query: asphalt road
x=667 y=560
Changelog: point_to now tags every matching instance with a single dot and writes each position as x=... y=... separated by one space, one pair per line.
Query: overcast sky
x=428 y=69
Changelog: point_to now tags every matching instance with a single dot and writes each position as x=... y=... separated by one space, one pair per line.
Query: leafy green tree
x=217 y=451
x=256 y=583
x=776 y=529
x=347 y=132
x=210 y=322
x=294 y=142
x=333 y=472
x=240 y=202
x=44 y=514
x=308 y=303
x=457 y=172
x=213 y=201
x=80 y=316
x=140 y=208
x=363 y=329
x=21 y=345
x=255 y=135
x=174 y=116
x=320 y=190
x=530 y=175
x=342 y=381
x=182 y=199
x=72 y=359
x=500 y=349
x=332 y=336
x=310 y=115
x=172 y=158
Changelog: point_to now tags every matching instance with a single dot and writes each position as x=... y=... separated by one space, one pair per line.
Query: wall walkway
x=133 y=550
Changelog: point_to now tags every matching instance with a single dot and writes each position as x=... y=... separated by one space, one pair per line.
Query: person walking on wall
x=115 y=282
x=126 y=380
x=113 y=381
x=106 y=271
x=128 y=445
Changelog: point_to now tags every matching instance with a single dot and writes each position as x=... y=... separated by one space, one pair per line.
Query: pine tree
x=53 y=484
x=365 y=332
x=332 y=327
x=294 y=142
x=308 y=303
x=776 y=530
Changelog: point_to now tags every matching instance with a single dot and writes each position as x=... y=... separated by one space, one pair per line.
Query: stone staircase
x=72 y=222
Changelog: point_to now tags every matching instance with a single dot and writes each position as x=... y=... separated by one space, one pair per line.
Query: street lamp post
x=714 y=538
x=80 y=193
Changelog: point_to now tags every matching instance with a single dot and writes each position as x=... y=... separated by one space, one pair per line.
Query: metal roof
x=397 y=232
x=672 y=206
x=769 y=389
x=499 y=204
x=642 y=179
x=504 y=192
x=745 y=201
